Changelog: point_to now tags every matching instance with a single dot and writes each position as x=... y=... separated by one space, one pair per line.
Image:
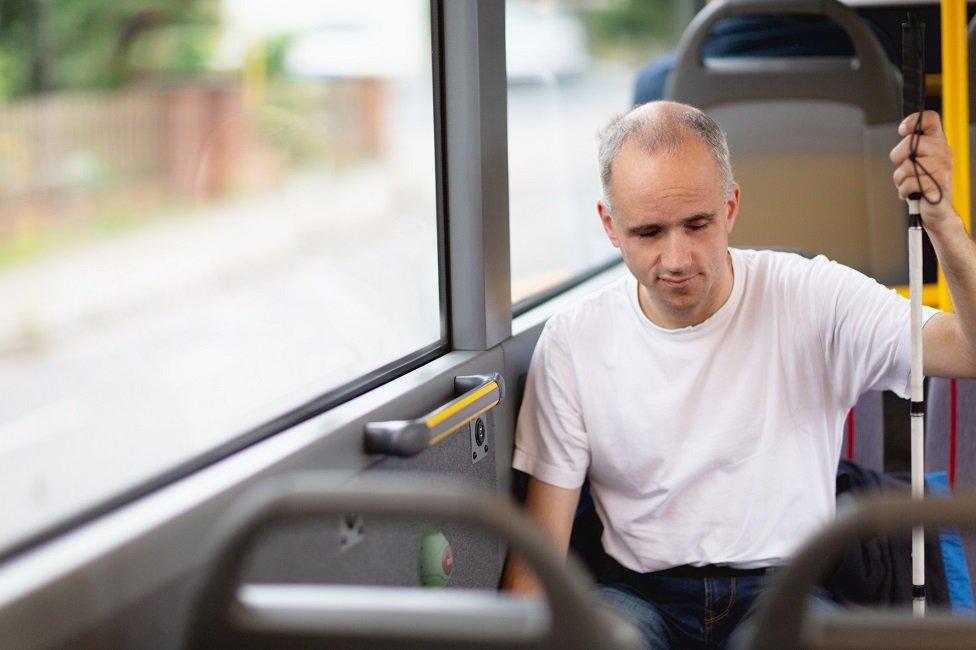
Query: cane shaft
x=917 y=401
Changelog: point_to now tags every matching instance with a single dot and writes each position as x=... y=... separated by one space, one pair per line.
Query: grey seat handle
x=223 y=610
x=871 y=81
x=784 y=622
x=448 y=616
x=478 y=394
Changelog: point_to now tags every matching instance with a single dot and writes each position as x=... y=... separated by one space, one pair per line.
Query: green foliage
x=631 y=19
x=93 y=44
x=284 y=123
x=13 y=75
x=632 y=31
x=276 y=49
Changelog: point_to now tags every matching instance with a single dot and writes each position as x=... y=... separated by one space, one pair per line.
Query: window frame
x=533 y=301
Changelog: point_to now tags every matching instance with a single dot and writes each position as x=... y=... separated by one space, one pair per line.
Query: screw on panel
x=479 y=440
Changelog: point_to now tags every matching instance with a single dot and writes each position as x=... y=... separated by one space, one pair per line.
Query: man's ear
x=606 y=219
x=732 y=204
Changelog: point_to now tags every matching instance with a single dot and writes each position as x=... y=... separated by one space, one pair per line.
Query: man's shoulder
x=594 y=313
x=775 y=266
x=775 y=258
x=794 y=264
x=777 y=279
x=789 y=280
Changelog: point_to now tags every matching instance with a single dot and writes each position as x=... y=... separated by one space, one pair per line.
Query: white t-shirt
x=717 y=443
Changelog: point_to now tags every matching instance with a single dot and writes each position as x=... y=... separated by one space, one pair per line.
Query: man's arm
x=949 y=340
x=552 y=509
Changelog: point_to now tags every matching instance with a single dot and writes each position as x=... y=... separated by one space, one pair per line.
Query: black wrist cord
x=913 y=99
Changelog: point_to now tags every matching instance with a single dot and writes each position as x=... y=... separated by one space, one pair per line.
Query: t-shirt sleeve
x=550 y=437
x=865 y=329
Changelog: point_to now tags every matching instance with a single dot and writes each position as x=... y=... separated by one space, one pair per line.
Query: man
x=705 y=394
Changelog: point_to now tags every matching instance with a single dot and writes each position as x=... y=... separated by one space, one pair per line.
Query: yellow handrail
x=955 y=114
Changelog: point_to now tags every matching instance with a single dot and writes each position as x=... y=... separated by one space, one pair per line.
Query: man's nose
x=676 y=256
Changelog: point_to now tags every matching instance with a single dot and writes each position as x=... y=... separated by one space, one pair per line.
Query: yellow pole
x=256 y=75
x=955 y=114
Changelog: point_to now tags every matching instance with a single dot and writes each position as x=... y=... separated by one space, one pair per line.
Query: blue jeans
x=674 y=612
x=684 y=612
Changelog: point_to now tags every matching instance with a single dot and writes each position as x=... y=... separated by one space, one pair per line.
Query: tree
x=87 y=44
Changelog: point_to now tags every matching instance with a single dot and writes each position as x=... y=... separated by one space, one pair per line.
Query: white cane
x=913 y=97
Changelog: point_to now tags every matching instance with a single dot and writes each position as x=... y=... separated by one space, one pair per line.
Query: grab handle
x=479 y=394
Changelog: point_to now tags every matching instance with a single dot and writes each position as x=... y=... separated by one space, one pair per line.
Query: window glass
x=209 y=213
x=572 y=64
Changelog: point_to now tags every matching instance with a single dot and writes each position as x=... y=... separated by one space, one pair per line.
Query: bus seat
x=231 y=612
x=783 y=619
x=938 y=439
x=865 y=424
x=814 y=169
x=939 y=426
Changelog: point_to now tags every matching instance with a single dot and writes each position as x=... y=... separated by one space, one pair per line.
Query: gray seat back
x=938 y=438
x=939 y=425
x=809 y=138
x=865 y=427
x=229 y=614
x=785 y=620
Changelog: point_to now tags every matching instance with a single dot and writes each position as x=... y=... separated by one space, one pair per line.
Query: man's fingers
x=903 y=171
x=911 y=185
x=936 y=166
x=931 y=124
x=927 y=146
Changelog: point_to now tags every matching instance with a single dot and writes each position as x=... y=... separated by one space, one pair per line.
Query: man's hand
x=934 y=155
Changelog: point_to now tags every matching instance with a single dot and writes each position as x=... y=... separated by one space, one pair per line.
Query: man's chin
x=683 y=303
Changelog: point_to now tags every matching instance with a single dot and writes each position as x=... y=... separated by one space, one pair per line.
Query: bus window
x=208 y=215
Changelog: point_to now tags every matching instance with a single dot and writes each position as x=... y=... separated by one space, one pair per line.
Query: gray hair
x=662 y=125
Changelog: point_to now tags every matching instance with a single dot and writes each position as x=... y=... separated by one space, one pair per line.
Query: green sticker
x=436 y=559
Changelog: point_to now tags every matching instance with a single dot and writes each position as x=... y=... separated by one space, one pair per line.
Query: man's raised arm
x=949 y=339
x=552 y=509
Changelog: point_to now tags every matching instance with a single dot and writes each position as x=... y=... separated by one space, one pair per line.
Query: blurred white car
x=543 y=43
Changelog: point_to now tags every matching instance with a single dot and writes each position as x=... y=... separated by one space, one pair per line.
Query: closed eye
x=699 y=221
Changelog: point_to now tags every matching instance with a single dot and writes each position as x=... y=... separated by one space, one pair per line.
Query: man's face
x=671 y=223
